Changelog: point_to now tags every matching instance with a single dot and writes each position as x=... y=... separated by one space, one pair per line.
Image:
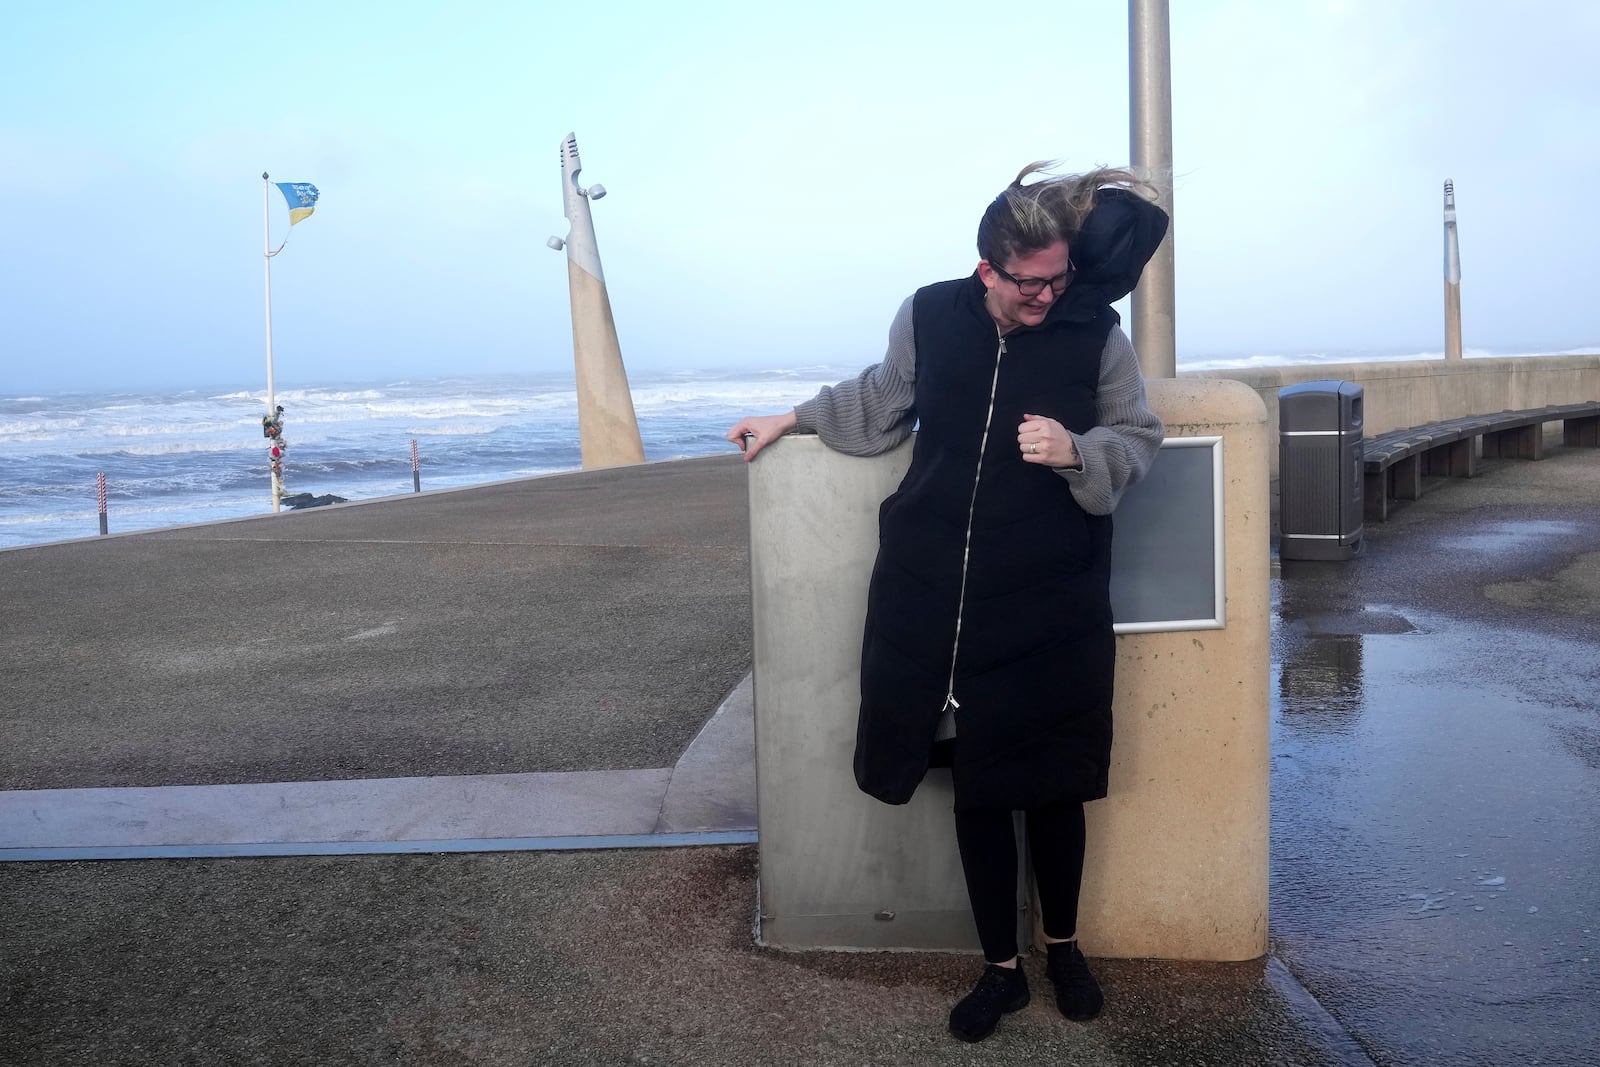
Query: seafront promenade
x=561 y=658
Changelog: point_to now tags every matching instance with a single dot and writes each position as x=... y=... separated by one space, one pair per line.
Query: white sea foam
x=451 y=430
x=1282 y=359
x=736 y=392
x=287 y=396
x=174 y=429
x=167 y=448
x=39 y=429
x=26 y=518
x=489 y=407
x=1563 y=352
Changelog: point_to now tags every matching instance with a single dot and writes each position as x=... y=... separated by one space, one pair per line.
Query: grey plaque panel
x=1166 y=546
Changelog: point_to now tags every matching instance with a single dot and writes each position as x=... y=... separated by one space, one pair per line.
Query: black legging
x=988 y=846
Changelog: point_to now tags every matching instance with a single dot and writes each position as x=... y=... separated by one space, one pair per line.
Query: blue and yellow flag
x=302 y=197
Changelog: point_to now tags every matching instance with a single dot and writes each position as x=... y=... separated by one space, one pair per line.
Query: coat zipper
x=950 y=702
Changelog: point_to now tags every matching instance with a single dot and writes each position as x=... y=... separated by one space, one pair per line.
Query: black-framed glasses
x=1035 y=286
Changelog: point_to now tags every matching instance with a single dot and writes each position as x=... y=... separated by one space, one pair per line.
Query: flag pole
x=266 y=261
x=302 y=198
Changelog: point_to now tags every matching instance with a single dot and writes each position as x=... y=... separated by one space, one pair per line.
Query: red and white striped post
x=416 y=469
x=100 y=494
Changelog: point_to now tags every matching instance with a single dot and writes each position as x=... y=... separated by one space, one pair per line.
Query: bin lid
x=1321 y=387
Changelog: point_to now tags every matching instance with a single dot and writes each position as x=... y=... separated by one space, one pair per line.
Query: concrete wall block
x=1177 y=862
x=1414 y=392
x=838 y=869
x=1178 y=852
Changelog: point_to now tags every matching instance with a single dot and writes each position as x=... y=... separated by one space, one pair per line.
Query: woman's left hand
x=1044 y=440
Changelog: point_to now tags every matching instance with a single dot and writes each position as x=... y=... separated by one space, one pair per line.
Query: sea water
x=185 y=456
x=182 y=456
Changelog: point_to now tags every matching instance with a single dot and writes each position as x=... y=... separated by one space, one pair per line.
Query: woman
x=988 y=643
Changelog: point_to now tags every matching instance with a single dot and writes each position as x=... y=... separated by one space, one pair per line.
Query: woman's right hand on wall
x=756 y=432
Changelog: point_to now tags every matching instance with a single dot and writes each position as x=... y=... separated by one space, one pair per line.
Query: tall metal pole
x=266 y=261
x=608 y=429
x=1150 y=136
x=1452 y=276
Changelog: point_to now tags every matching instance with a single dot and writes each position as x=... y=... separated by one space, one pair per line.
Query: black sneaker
x=1000 y=990
x=1077 y=993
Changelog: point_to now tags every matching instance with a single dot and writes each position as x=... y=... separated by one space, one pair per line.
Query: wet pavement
x=1436 y=773
x=1436 y=767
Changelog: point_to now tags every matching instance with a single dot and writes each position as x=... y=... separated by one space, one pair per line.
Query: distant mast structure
x=607 y=427
x=1452 y=276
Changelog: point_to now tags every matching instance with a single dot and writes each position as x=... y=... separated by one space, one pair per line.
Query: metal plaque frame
x=1167 y=543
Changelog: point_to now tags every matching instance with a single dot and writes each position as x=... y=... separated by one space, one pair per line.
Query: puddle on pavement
x=1319 y=684
x=1433 y=847
x=1510 y=534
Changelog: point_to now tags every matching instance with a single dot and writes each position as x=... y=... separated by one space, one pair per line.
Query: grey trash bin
x=1319 y=470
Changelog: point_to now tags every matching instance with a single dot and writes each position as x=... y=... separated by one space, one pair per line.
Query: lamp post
x=1150 y=114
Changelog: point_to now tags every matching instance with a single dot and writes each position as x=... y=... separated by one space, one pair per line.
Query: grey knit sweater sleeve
x=872 y=412
x=1123 y=443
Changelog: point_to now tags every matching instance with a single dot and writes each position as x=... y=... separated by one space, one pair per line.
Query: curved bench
x=1395 y=463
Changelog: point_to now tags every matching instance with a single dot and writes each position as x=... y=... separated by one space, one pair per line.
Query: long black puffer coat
x=991 y=587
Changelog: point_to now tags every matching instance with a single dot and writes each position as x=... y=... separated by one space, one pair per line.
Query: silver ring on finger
x=1034 y=448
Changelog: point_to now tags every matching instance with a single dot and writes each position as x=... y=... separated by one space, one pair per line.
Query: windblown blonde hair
x=1026 y=218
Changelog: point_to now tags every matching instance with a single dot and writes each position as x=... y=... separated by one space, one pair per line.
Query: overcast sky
x=780 y=177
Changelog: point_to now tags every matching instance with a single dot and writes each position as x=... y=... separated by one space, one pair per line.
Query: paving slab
x=480 y=806
x=710 y=794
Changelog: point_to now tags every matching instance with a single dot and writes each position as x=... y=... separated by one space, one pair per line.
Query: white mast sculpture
x=607 y=427
x=1452 y=276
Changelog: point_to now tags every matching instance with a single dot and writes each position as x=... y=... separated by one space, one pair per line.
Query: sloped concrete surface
x=711 y=790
